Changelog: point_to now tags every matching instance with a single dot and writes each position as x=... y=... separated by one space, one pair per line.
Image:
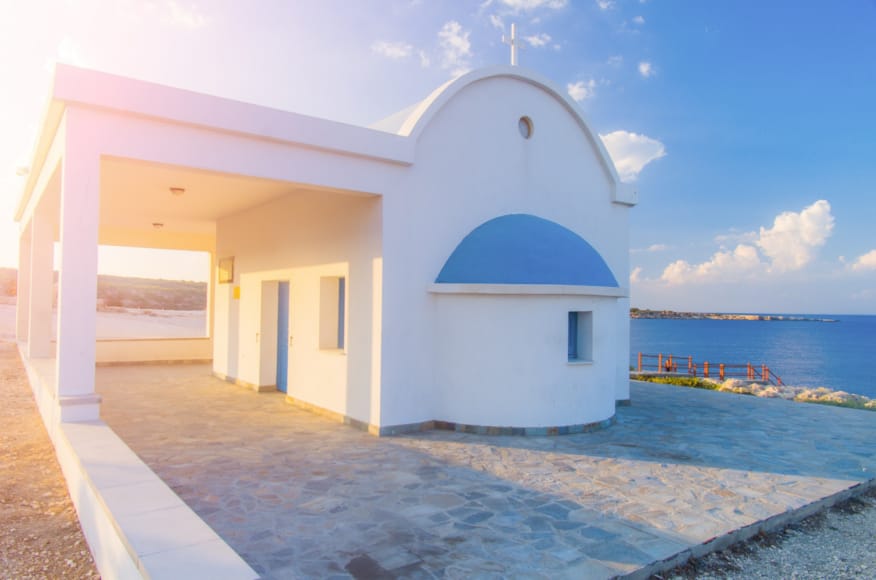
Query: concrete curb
x=135 y=525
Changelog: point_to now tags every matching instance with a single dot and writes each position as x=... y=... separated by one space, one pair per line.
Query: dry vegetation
x=153 y=294
x=8 y=281
x=117 y=291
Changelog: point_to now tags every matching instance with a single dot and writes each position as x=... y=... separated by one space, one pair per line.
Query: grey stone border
x=486 y=429
x=770 y=524
x=402 y=429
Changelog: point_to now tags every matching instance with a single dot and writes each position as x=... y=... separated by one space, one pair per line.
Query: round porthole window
x=525 y=126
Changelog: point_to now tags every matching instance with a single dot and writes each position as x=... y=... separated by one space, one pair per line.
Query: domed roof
x=525 y=249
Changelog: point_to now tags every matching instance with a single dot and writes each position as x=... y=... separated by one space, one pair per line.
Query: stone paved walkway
x=299 y=496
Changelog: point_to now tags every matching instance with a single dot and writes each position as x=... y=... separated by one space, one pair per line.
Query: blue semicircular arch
x=525 y=249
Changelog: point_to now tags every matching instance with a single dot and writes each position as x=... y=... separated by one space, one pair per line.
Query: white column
x=77 y=285
x=22 y=302
x=42 y=238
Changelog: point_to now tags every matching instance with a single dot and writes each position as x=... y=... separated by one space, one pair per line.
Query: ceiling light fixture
x=157 y=225
x=177 y=190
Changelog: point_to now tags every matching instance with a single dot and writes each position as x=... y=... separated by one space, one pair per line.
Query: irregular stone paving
x=297 y=495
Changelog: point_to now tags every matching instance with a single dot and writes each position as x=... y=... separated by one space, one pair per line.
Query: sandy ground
x=40 y=535
x=7 y=321
x=128 y=323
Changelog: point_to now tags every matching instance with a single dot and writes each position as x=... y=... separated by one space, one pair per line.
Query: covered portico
x=126 y=163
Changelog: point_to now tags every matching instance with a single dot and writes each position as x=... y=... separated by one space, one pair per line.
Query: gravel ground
x=40 y=535
x=839 y=543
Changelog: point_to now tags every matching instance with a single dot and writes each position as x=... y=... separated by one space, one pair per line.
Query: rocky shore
x=821 y=395
x=673 y=315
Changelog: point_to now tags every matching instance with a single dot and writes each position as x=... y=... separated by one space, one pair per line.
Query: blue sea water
x=839 y=355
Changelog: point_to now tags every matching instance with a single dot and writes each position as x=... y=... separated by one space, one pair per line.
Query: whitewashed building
x=462 y=264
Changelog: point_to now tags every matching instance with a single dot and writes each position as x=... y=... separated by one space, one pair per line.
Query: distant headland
x=671 y=314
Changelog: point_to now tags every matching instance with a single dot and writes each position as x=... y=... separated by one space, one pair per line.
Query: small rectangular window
x=332 y=312
x=580 y=335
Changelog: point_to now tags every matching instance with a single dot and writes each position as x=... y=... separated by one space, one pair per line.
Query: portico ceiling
x=135 y=195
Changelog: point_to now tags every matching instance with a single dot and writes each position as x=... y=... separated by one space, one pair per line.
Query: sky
x=748 y=126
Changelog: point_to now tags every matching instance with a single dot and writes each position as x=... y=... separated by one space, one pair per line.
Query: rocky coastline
x=673 y=315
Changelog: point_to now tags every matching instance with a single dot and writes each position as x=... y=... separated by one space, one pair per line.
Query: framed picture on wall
x=226 y=270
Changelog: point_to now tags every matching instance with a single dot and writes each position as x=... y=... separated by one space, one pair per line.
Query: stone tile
x=300 y=496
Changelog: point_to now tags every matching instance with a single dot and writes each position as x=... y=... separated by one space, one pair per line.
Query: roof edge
x=76 y=86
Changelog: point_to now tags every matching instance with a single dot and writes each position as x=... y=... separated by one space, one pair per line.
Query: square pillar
x=42 y=239
x=622 y=384
x=77 y=284
x=22 y=302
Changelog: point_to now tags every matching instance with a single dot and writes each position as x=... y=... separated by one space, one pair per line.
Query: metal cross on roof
x=515 y=43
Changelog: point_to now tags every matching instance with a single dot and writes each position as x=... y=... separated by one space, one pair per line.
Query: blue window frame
x=332 y=312
x=573 y=336
x=342 y=291
x=580 y=343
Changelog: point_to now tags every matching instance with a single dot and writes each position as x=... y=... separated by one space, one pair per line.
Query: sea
x=839 y=355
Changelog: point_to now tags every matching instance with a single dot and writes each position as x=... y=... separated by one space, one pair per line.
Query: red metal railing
x=674 y=364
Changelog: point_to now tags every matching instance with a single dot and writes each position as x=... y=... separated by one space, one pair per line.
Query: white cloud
x=581 y=90
x=788 y=245
x=646 y=69
x=184 y=16
x=455 y=47
x=497 y=22
x=734 y=236
x=425 y=61
x=69 y=52
x=538 y=40
x=605 y=4
x=392 y=50
x=636 y=275
x=530 y=5
x=650 y=249
x=742 y=262
x=615 y=60
x=865 y=262
x=631 y=152
x=865 y=294
x=792 y=240
x=639 y=20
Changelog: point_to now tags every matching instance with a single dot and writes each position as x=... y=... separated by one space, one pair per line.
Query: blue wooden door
x=282 y=336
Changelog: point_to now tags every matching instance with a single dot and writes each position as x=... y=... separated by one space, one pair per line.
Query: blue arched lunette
x=525 y=249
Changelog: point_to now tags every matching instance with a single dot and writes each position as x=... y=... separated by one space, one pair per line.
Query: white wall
x=154 y=349
x=473 y=165
x=502 y=361
x=300 y=238
x=470 y=164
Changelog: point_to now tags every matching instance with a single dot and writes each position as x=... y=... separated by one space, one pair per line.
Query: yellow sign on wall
x=236 y=293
